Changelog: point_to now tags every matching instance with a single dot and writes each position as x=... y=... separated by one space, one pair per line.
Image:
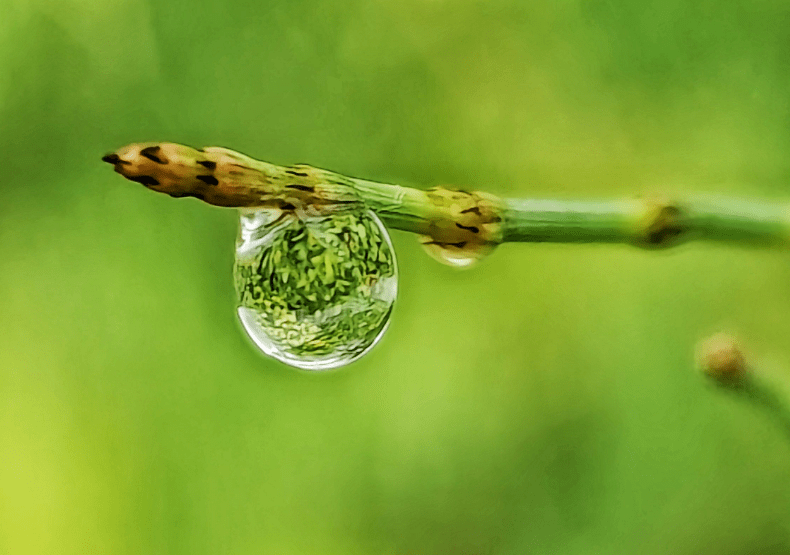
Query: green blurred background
x=544 y=402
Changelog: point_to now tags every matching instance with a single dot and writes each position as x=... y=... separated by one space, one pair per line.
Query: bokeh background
x=544 y=402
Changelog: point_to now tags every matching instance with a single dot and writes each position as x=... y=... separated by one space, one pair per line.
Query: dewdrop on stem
x=465 y=227
x=314 y=292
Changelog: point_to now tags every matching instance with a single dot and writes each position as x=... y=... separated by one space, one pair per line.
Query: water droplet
x=314 y=292
x=457 y=255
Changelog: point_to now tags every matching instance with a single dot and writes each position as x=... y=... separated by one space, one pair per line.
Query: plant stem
x=463 y=220
x=647 y=222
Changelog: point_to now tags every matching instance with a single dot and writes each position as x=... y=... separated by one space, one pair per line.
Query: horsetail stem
x=470 y=223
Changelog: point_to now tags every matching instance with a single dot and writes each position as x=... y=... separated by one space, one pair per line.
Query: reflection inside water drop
x=314 y=292
x=458 y=255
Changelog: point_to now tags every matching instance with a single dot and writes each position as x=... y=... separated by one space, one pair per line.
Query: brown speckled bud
x=720 y=357
x=223 y=177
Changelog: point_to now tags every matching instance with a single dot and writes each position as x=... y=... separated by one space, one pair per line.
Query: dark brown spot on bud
x=151 y=153
x=301 y=188
x=471 y=228
x=208 y=179
x=208 y=164
x=111 y=158
x=444 y=244
x=296 y=173
x=473 y=210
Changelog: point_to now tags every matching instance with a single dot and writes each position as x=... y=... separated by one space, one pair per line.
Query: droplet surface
x=458 y=255
x=314 y=292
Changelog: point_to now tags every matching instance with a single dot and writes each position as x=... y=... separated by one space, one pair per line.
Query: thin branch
x=469 y=223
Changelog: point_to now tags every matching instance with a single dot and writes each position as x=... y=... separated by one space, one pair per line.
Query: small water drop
x=457 y=255
x=314 y=292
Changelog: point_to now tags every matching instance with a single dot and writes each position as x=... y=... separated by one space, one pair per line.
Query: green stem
x=646 y=222
x=450 y=219
x=769 y=394
x=567 y=221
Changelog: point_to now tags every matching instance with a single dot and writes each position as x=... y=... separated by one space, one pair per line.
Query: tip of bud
x=111 y=158
x=172 y=168
x=720 y=357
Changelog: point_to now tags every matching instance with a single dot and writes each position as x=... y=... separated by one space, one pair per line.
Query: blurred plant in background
x=541 y=403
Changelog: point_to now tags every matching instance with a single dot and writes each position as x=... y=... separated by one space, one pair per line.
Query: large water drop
x=314 y=292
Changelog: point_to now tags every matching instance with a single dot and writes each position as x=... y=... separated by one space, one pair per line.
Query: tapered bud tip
x=171 y=168
x=720 y=357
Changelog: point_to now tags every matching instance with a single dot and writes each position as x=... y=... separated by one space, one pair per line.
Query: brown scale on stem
x=663 y=223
